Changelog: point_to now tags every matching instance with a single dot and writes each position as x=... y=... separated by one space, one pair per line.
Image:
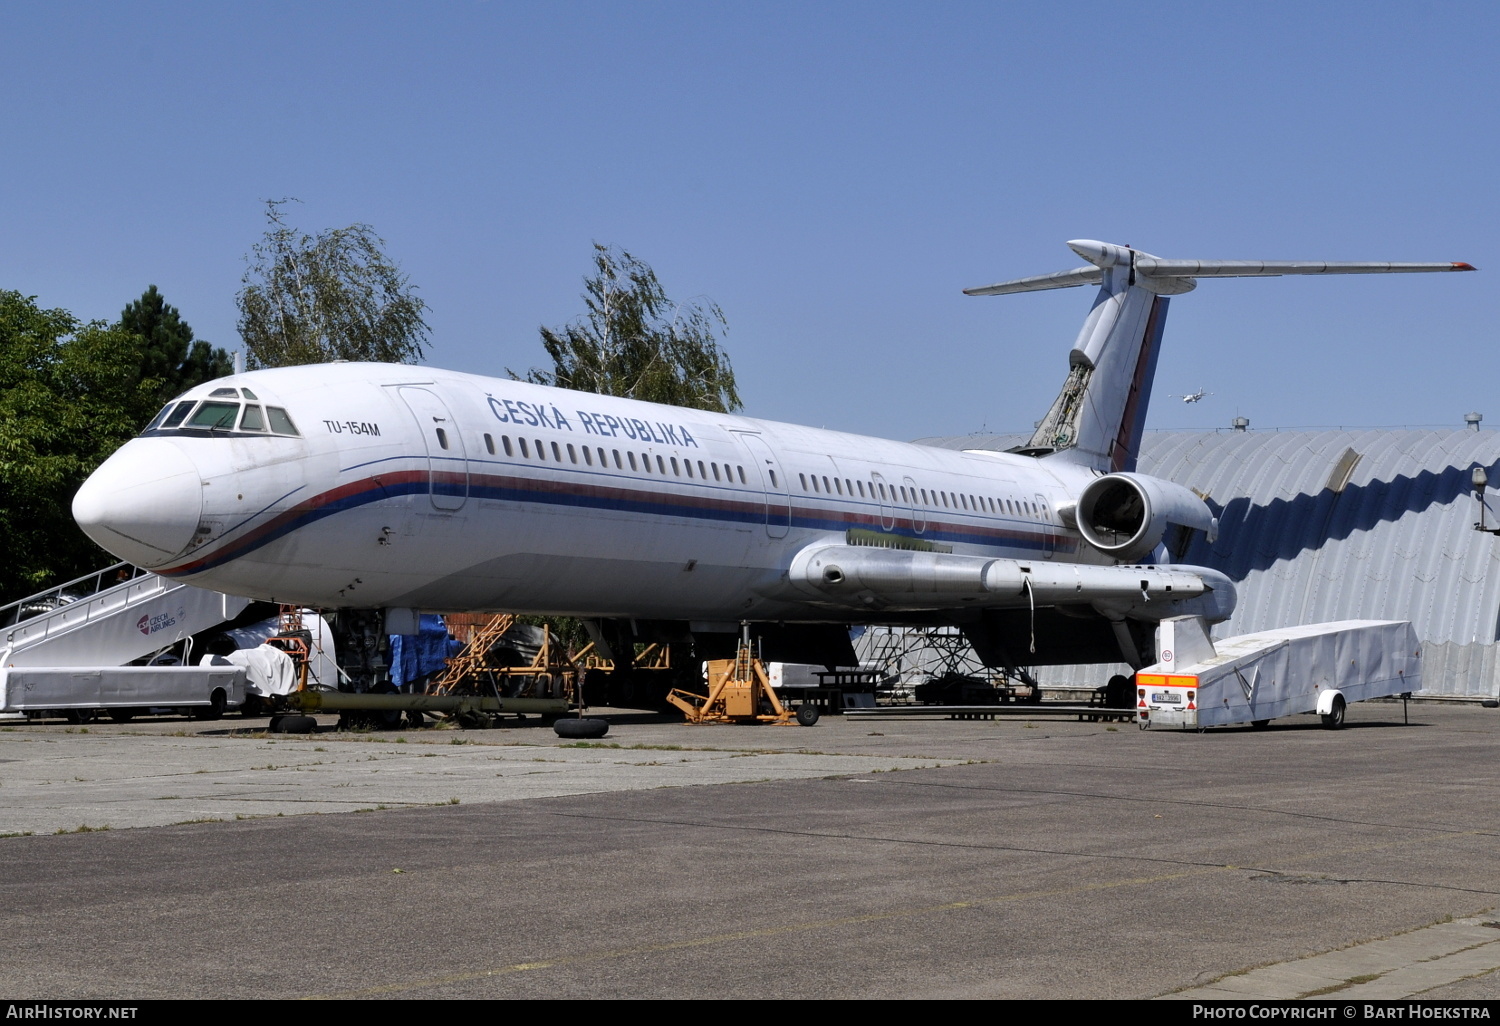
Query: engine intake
x=1127 y=515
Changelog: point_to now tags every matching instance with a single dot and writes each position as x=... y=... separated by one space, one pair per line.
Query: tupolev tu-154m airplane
x=381 y=487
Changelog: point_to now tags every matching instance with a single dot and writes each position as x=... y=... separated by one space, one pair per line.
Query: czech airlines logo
x=149 y=624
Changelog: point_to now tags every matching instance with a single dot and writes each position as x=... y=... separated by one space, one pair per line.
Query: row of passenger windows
x=934 y=499
x=723 y=472
x=590 y=457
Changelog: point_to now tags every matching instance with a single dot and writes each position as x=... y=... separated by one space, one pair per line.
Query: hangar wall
x=1334 y=525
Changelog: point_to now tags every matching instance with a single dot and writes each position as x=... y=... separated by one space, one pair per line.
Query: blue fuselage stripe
x=737 y=506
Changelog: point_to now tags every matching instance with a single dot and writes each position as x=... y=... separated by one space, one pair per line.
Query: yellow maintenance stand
x=739 y=691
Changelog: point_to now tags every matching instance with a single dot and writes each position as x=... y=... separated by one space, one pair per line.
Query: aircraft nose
x=144 y=503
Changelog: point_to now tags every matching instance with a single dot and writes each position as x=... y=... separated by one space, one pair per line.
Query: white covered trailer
x=1256 y=678
x=204 y=691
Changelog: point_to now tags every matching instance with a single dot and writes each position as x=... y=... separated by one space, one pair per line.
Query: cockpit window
x=211 y=416
x=177 y=414
x=253 y=419
x=215 y=416
x=249 y=394
x=280 y=422
x=233 y=393
x=156 y=420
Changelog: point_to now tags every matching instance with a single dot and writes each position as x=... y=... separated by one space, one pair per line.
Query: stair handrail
x=10 y=613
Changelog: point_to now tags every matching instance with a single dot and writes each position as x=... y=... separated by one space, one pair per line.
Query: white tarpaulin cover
x=268 y=671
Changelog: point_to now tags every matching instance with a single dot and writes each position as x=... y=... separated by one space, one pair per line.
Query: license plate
x=1167 y=698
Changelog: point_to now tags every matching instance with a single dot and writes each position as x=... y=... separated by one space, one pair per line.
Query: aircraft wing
x=904 y=580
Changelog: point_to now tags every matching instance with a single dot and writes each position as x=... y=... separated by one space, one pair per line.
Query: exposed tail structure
x=1098 y=417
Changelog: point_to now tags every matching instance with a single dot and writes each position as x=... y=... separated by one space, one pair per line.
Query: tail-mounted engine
x=1127 y=515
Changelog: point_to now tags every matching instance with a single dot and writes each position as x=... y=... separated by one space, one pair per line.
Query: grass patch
x=83 y=829
x=1335 y=988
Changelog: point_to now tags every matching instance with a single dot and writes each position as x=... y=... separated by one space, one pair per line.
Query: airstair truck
x=1256 y=678
x=65 y=650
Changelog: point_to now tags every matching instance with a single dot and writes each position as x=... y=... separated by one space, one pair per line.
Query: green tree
x=171 y=355
x=635 y=342
x=70 y=394
x=333 y=296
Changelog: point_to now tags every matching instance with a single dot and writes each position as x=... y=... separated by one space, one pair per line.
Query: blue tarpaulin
x=414 y=656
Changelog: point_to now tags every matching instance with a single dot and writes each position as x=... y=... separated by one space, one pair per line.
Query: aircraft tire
x=581 y=727
x=1334 y=719
x=386 y=719
x=291 y=723
x=807 y=714
x=122 y=715
x=1260 y=724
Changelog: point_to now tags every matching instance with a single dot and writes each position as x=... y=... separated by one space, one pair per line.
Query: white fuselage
x=410 y=487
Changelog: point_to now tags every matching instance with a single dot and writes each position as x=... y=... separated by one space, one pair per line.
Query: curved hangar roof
x=1332 y=525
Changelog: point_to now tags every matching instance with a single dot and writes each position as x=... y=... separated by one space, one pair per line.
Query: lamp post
x=1480 y=479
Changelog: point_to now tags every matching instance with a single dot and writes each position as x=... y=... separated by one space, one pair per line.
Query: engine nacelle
x=1127 y=515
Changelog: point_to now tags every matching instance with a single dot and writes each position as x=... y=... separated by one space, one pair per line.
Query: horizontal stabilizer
x=1041 y=282
x=1158 y=268
x=1149 y=271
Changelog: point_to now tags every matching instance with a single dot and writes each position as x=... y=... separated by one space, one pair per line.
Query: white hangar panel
x=1317 y=526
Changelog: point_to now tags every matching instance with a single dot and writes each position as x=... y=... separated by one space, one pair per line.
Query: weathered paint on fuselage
x=367 y=508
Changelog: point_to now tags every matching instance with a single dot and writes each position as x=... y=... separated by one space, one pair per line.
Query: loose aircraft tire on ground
x=1334 y=719
x=807 y=714
x=582 y=727
x=291 y=723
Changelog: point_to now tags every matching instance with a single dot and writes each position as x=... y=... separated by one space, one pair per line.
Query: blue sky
x=831 y=174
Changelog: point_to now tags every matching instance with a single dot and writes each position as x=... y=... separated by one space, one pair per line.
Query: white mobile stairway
x=110 y=618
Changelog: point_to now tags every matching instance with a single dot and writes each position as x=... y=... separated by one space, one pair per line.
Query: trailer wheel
x=214 y=709
x=1334 y=718
x=807 y=714
x=79 y=715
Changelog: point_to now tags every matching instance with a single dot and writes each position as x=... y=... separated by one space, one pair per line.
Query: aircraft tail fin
x=1098 y=417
